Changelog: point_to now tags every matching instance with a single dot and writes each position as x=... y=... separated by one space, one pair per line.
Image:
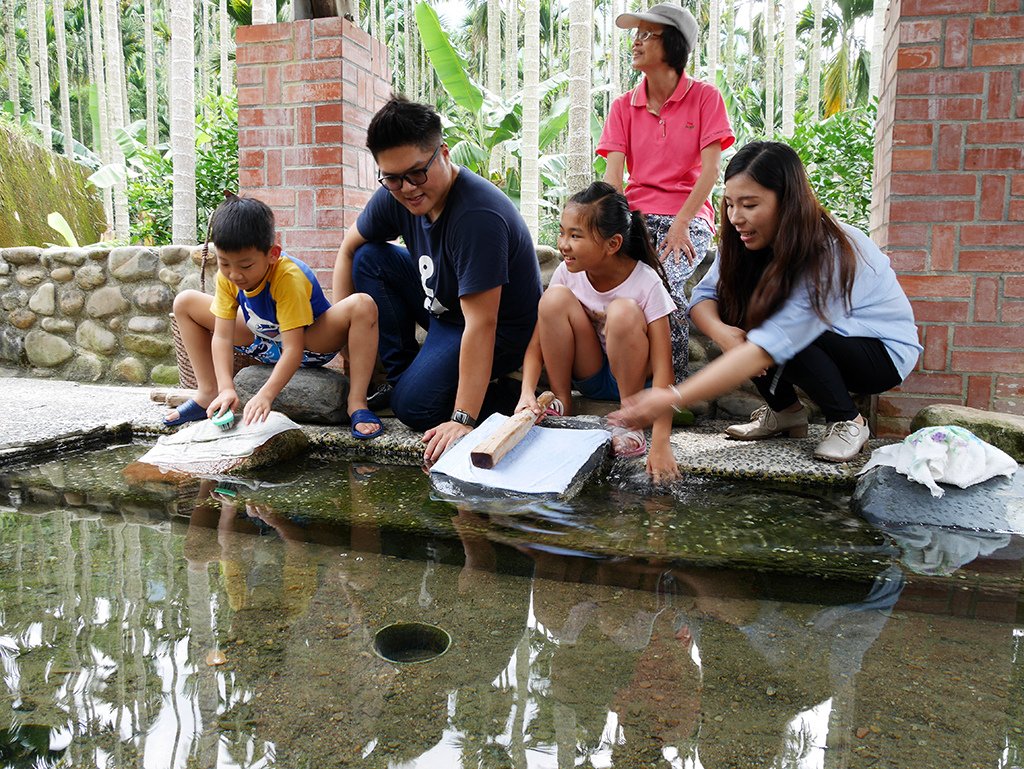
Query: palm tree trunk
x=730 y=41
x=530 y=189
x=714 y=21
x=204 y=52
x=31 y=20
x=224 y=38
x=579 y=166
x=877 y=48
x=769 y=68
x=45 y=116
x=788 y=68
x=494 y=46
x=183 y=121
x=749 y=73
x=115 y=108
x=511 y=69
x=101 y=143
x=152 y=137
x=62 y=74
x=814 y=73
x=13 y=92
x=407 y=84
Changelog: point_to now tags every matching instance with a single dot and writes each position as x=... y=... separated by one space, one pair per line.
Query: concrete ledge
x=44 y=418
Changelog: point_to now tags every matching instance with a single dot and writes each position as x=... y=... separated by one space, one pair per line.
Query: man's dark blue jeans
x=426 y=379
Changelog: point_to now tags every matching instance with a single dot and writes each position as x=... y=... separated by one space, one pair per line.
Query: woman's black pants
x=828 y=370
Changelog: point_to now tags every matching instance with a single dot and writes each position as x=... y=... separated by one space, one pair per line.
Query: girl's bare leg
x=568 y=342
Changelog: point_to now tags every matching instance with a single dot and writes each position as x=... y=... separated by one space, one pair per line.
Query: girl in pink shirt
x=602 y=324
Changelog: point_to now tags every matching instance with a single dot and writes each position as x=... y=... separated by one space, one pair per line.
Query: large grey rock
x=22 y=256
x=58 y=325
x=312 y=396
x=30 y=276
x=12 y=300
x=149 y=345
x=154 y=298
x=72 y=256
x=71 y=301
x=12 y=346
x=86 y=367
x=105 y=302
x=147 y=324
x=130 y=370
x=885 y=497
x=46 y=350
x=174 y=254
x=1004 y=431
x=93 y=336
x=90 y=276
x=132 y=263
x=44 y=300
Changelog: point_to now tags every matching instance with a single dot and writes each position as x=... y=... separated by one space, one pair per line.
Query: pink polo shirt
x=663 y=151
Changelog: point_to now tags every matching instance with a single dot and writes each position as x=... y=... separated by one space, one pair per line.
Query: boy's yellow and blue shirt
x=289 y=297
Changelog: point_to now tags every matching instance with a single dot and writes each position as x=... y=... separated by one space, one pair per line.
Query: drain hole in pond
x=411 y=642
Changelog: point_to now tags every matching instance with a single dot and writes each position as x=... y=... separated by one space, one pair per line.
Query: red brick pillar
x=306 y=93
x=948 y=202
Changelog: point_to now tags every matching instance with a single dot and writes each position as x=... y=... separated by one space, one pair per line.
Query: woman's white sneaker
x=765 y=423
x=843 y=441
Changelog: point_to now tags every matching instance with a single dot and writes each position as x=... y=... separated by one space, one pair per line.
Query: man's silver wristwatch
x=463 y=418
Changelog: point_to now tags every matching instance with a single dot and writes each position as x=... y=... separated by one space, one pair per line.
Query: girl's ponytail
x=640 y=247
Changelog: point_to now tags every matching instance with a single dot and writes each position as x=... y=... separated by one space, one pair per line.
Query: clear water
x=720 y=625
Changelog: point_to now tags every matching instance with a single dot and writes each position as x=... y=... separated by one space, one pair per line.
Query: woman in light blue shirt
x=794 y=299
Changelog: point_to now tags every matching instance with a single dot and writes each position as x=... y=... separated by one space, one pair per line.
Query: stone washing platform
x=40 y=419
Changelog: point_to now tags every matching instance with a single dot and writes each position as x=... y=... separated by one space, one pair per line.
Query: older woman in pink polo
x=668 y=134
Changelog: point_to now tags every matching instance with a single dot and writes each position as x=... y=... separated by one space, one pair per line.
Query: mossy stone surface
x=35 y=183
x=1004 y=431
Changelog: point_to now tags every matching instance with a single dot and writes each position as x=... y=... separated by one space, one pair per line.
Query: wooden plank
x=508 y=436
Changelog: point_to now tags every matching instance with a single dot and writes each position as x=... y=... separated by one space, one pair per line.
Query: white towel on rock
x=946 y=454
x=204 y=444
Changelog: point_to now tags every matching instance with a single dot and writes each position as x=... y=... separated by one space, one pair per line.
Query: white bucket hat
x=666 y=14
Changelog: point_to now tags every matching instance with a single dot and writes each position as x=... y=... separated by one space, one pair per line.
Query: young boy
x=270 y=306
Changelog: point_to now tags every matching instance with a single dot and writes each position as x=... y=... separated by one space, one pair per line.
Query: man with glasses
x=468 y=274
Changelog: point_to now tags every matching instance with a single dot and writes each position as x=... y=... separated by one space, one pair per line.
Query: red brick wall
x=306 y=93
x=949 y=198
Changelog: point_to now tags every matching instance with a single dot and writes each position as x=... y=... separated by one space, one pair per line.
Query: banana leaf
x=445 y=61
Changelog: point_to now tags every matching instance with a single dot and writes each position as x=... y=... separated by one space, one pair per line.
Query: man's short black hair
x=401 y=122
x=676 y=51
x=240 y=223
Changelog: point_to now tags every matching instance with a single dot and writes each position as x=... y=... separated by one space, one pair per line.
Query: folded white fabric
x=204 y=444
x=944 y=454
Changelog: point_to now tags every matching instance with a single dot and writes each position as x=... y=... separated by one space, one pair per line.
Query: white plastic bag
x=945 y=454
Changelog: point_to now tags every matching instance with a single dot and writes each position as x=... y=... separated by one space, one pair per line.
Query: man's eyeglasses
x=644 y=35
x=416 y=177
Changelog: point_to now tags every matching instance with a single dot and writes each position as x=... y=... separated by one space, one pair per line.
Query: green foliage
x=839 y=154
x=150 y=187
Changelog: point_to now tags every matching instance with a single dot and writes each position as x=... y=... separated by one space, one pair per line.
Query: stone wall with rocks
x=93 y=314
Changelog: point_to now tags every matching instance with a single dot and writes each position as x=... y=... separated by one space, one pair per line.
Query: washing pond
x=233 y=624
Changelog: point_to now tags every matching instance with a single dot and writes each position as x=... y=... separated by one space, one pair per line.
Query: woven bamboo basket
x=186 y=374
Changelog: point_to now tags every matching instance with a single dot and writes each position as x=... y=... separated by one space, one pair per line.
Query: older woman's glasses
x=644 y=35
x=415 y=177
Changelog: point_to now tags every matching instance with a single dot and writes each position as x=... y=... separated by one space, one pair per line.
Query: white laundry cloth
x=946 y=454
x=204 y=445
x=545 y=462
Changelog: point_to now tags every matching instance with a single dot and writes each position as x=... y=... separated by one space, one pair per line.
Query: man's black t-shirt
x=479 y=241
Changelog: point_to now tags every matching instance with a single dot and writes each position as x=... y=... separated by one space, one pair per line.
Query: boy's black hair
x=676 y=51
x=401 y=122
x=240 y=223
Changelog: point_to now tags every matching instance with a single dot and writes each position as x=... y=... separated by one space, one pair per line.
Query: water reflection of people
x=764 y=678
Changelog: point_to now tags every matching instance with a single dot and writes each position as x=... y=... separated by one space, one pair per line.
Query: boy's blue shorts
x=269 y=351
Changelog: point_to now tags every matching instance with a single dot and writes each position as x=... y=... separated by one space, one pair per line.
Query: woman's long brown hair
x=754 y=284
